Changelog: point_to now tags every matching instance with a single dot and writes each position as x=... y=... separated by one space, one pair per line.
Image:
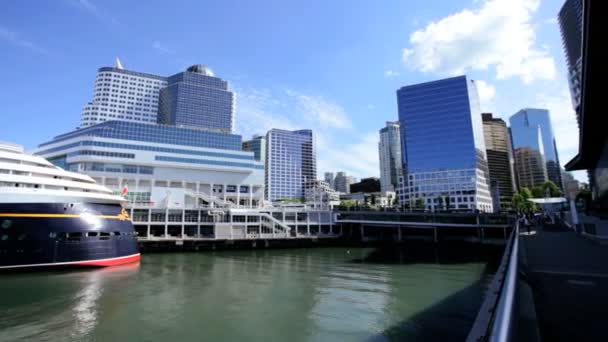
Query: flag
x=124 y=191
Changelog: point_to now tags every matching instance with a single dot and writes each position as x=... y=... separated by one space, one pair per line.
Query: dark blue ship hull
x=65 y=234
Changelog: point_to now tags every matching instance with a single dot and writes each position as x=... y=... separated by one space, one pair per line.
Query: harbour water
x=315 y=294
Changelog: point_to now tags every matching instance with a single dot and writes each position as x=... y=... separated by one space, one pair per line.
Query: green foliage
x=347 y=203
x=290 y=200
x=538 y=192
x=553 y=189
x=520 y=200
x=419 y=203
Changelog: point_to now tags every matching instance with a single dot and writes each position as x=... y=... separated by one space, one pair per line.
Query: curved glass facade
x=161 y=134
x=443 y=147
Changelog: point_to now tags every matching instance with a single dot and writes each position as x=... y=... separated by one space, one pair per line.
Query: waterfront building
x=368 y=185
x=196 y=98
x=570 y=20
x=257 y=145
x=532 y=136
x=329 y=179
x=319 y=194
x=443 y=148
x=290 y=162
x=389 y=150
x=500 y=159
x=124 y=95
x=343 y=182
x=162 y=165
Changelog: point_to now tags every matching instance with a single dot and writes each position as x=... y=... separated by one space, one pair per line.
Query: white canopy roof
x=548 y=200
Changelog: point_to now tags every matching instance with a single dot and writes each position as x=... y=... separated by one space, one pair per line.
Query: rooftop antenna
x=118 y=65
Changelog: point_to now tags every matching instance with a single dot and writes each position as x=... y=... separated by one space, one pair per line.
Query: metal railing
x=494 y=321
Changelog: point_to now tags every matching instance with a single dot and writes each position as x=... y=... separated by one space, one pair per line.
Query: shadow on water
x=451 y=318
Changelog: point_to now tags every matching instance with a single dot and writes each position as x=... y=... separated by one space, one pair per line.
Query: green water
x=318 y=294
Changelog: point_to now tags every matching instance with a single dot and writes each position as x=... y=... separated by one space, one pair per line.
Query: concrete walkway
x=568 y=275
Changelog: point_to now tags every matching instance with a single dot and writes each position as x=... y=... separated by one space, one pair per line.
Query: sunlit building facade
x=533 y=139
x=443 y=148
x=290 y=163
x=162 y=165
x=123 y=95
x=389 y=150
x=500 y=159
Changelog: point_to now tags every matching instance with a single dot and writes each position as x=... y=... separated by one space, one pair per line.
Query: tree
x=538 y=192
x=518 y=201
x=373 y=199
x=347 y=203
x=447 y=202
x=553 y=189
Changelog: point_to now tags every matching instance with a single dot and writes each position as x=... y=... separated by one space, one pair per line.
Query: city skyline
x=270 y=92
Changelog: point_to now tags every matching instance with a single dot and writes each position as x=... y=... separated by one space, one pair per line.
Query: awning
x=548 y=200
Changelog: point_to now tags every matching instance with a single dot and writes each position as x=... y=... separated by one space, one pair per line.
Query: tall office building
x=532 y=135
x=257 y=145
x=196 y=98
x=389 y=150
x=443 y=148
x=123 y=95
x=329 y=179
x=570 y=19
x=290 y=163
x=500 y=158
x=342 y=182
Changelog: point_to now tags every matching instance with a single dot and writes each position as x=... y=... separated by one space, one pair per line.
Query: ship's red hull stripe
x=99 y=262
x=110 y=262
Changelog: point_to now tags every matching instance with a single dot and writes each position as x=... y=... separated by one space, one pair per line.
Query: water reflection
x=86 y=307
x=322 y=294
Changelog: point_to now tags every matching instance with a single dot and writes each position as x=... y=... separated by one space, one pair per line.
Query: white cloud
x=358 y=158
x=16 y=39
x=316 y=109
x=486 y=93
x=498 y=34
x=338 y=145
x=391 y=73
x=158 y=46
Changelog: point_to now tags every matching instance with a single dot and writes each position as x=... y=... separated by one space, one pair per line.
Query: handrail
x=494 y=319
x=503 y=322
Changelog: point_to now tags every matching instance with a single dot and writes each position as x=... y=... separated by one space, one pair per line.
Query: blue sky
x=332 y=66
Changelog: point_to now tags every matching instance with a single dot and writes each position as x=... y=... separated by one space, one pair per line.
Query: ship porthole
x=7 y=224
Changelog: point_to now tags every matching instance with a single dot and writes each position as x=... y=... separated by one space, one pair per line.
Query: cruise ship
x=50 y=217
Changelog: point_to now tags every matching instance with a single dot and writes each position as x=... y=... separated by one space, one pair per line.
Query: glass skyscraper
x=532 y=137
x=570 y=19
x=196 y=98
x=290 y=163
x=442 y=145
x=389 y=150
